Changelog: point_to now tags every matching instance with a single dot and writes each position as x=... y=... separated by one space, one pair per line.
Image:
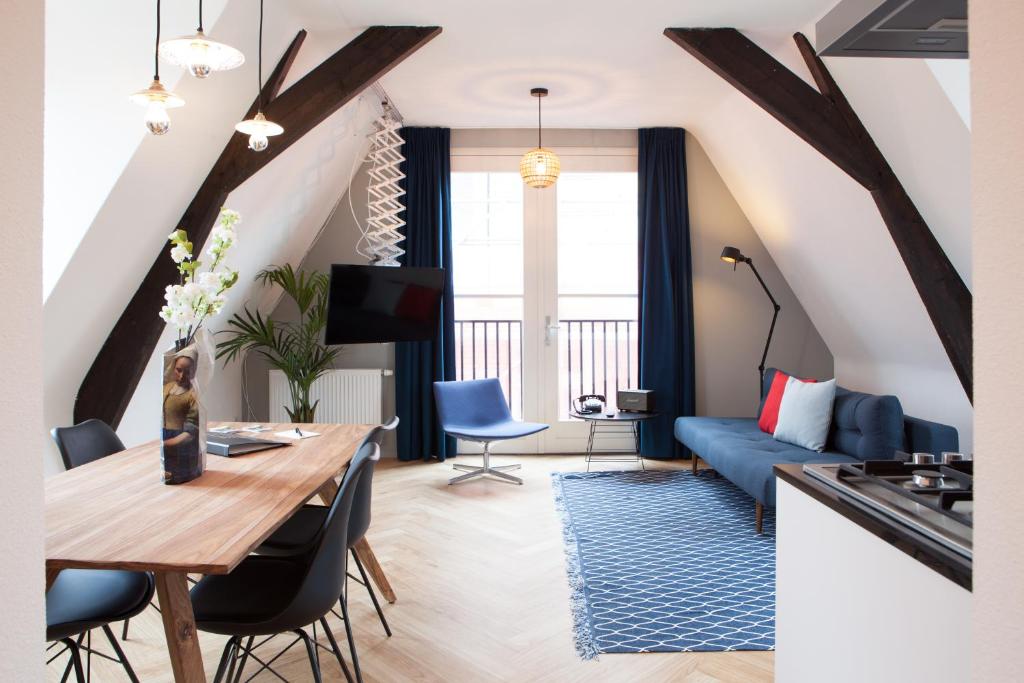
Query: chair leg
x=244 y=660
x=373 y=596
x=75 y=662
x=351 y=640
x=694 y=461
x=758 y=516
x=314 y=661
x=337 y=650
x=227 y=655
x=498 y=472
x=120 y=654
x=124 y=630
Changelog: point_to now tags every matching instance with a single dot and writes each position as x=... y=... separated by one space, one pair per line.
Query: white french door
x=545 y=286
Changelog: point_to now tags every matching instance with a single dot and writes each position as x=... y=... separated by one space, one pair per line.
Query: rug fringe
x=581 y=627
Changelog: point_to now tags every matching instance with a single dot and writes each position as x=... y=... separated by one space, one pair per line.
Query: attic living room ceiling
x=605 y=62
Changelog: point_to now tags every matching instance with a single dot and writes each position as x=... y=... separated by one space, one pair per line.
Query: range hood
x=894 y=28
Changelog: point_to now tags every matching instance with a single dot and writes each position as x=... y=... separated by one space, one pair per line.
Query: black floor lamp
x=733 y=255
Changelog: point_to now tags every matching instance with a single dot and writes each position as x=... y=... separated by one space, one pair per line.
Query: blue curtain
x=665 y=287
x=428 y=243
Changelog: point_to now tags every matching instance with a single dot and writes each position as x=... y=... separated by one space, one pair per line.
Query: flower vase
x=187 y=375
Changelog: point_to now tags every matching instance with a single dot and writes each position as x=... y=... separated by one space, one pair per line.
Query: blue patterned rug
x=662 y=561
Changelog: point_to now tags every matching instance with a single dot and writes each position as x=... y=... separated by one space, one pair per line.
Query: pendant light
x=540 y=166
x=200 y=55
x=258 y=128
x=156 y=98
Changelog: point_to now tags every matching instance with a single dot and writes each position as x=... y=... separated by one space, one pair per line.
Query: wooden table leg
x=363 y=550
x=180 y=627
x=51 y=576
x=365 y=554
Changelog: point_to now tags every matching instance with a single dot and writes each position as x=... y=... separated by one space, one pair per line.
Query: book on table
x=230 y=445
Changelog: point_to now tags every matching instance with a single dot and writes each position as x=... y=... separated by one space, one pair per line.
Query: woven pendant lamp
x=540 y=166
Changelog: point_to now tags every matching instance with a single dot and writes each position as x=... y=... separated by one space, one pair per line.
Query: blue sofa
x=864 y=427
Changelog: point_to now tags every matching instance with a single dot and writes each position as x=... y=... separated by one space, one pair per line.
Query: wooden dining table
x=116 y=513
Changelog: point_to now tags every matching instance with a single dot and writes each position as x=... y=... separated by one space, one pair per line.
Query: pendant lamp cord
x=156 y=47
x=259 y=67
x=200 y=29
x=538 y=122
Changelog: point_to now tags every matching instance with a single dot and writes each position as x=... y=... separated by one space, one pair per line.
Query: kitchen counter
x=863 y=599
x=949 y=564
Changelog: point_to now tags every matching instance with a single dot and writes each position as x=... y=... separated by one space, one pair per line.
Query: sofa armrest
x=929 y=437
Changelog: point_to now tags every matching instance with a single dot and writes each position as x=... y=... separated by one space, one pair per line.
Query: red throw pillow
x=769 y=418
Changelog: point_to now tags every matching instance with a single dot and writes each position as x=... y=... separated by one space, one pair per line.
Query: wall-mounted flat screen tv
x=373 y=304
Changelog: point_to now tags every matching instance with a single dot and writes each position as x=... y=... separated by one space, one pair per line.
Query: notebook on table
x=228 y=445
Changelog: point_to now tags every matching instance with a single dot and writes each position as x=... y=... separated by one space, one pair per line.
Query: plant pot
x=187 y=375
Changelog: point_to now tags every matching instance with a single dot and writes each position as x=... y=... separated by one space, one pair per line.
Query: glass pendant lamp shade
x=156 y=98
x=258 y=129
x=540 y=166
x=157 y=101
x=200 y=55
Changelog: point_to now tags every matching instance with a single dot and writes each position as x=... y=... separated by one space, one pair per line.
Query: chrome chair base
x=499 y=472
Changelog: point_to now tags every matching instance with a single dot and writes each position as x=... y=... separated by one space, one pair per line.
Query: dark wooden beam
x=115 y=373
x=828 y=122
x=331 y=85
x=777 y=90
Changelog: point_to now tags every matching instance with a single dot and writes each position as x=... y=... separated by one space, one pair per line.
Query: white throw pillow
x=806 y=413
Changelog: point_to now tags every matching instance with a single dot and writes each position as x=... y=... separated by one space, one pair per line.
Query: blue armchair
x=476 y=410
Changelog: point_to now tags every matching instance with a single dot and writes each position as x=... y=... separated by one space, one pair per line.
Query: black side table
x=616 y=424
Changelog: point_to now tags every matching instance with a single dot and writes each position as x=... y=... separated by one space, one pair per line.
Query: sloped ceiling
x=607 y=66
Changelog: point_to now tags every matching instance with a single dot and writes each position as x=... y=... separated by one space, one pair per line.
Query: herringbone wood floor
x=480 y=575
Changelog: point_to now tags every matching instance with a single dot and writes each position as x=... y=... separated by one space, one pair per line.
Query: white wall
x=825 y=234
x=83 y=109
x=997 y=164
x=21 y=215
x=282 y=208
x=731 y=312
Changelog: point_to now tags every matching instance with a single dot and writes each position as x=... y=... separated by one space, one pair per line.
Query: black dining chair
x=83 y=443
x=265 y=596
x=297 y=531
x=83 y=599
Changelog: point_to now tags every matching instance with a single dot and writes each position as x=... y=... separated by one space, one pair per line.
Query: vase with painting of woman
x=183 y=436
x=187 y=368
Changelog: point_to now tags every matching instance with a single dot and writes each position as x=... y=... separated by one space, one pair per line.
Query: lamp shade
x=200 y=55
x=732 y=255
x=540 y=167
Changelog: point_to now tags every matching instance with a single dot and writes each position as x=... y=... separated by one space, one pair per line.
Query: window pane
x=597 y=285
x=487 y=245
x=597 y=233
x=487 y=233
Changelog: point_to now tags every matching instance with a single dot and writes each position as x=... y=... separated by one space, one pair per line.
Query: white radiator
x=352 y=396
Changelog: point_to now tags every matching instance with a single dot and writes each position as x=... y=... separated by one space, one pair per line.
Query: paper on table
x=224 y=430
x=290 y=434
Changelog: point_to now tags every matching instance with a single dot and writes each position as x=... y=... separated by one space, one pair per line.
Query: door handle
x=550 y=330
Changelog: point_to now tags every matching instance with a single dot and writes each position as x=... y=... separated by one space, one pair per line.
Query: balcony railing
x=594 y=357
x=492 y=348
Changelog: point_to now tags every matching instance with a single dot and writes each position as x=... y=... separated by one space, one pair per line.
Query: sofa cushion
x=866 y=426
x=737 y=449
x=768 y=416
x=806 y=414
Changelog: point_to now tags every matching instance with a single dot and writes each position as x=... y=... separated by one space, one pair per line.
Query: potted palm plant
x=294 y=348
